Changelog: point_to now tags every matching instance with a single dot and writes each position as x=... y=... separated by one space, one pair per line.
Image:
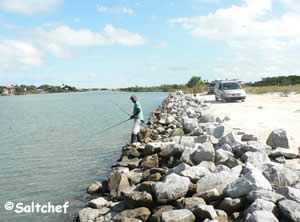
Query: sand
x=260 y=114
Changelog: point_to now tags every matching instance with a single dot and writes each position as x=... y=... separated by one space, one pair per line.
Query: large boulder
x=195 y=172
x=293 y=164
x=226 y=147
x=156 y=147
x=182 y=215
x=147 y=186
x=88 y=214
x=189 y=202
x=137 y=198
x=187 y=141
x=179 y=168
x=135 y=176
x=177 y=132
x=206 y=138
x=156 y=216
x=98 y=203
x=203 y=152
x=291 y=209
x=251 y=179
x=190 y=112
x=187 y=154
x=203 y=211
x=172 y=150
x=210 y=195
x=220 y=131
x=290 y=193
x=264 y=195
x=230 y=205
x=189 y=125
x=229 y=139
x=117 y=184
x=209 y=165
x=150 y=162
x=251 y=146
x=249 y=137
x=141 y=213
x=222 y=216
x=278 y=138
x=279 y=175
x=207 y=117
x=260 y=216
x=278 y=152
x=130 y=163
x=219 y=180
x=171 y=188
x=257 y=159
x=260 y=204
x=94 y=188
x=222 y=156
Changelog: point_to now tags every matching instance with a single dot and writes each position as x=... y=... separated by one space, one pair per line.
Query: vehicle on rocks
x=229 y=90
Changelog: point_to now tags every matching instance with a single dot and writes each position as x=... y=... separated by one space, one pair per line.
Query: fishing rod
x=122 y=109
x=113 y=126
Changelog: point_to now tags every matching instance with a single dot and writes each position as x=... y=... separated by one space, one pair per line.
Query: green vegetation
x=194 y=85
x=31 y=89
x=272 y=89
x=278 y=81
x=285 y=84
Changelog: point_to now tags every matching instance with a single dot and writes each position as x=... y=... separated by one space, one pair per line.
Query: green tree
x=194 y=81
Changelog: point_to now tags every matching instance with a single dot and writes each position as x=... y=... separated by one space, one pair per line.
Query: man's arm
x=137 y=112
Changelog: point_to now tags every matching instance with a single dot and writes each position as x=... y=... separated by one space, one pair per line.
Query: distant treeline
x=277 y=81
x=31 y=89
x=194 y=85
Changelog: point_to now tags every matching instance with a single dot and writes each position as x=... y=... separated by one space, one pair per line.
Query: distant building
x=7 y=90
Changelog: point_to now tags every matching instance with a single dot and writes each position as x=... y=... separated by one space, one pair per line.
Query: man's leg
x=135 y=131
x=133 y=138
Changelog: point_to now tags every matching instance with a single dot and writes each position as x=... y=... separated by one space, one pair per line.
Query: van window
x=231 y=86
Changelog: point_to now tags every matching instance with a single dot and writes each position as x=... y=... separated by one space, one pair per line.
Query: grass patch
x=272 y=89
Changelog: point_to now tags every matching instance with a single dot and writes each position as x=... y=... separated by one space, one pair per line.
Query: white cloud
x=250 y=24
x=59 y=39
x=260 y=42
x=121 y=10
x=29 y=7
x=14 y=53
x=293 y=5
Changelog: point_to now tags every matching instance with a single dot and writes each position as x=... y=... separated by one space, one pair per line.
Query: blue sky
x=117 y=43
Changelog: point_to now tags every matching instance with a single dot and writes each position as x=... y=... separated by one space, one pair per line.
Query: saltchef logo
x=48 y=208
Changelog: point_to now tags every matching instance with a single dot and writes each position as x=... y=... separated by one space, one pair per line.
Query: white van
x=229 y=91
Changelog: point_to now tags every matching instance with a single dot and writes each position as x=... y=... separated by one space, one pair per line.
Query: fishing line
x=113 y=126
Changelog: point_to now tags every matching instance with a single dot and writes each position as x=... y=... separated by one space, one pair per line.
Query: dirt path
x=260 y=114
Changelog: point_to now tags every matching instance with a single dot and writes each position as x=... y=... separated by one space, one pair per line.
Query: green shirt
x=137 y=106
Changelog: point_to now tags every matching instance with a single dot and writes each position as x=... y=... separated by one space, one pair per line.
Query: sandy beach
x=260 y=114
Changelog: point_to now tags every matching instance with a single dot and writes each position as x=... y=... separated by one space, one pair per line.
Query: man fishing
x=138 y=118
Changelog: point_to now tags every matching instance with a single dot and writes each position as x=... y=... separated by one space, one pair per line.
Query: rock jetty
x=193 y=167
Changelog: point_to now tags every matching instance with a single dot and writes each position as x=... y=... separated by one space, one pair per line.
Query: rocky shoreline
x=192 y=167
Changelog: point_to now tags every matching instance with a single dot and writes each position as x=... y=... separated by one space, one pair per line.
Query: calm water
x=50 y=148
